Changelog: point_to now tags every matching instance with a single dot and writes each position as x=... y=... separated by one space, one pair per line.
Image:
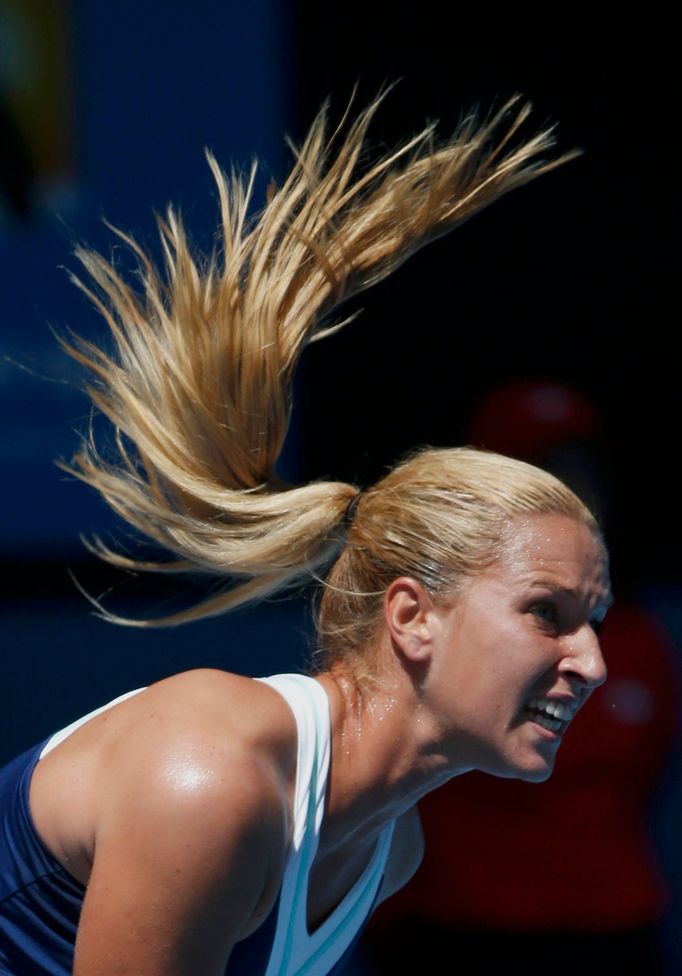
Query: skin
x=174 y=807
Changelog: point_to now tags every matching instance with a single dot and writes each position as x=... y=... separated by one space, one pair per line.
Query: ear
x=410 y=618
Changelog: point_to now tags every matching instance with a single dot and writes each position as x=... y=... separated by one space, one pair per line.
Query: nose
x=583 y=657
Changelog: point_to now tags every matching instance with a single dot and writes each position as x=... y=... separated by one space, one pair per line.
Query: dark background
x=567 y=279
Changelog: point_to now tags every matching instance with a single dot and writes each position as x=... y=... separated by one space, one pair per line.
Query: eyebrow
x=604 y=601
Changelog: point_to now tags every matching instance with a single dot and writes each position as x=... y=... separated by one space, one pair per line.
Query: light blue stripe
x=341 y=927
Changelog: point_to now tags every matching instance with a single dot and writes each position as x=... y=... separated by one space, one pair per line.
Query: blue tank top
x=40 y=902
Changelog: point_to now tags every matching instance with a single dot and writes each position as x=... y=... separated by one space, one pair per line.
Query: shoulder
x=222 y=713
x=189 y=798
x=191 y=822
x=201 y=747
x=195 y=780
x=201 y=735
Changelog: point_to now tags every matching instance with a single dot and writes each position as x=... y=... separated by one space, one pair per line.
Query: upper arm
x=407 y=851
x=182 y=864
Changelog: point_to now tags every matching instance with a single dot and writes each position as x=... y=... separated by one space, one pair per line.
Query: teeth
x=560 y=711
x=553 y=724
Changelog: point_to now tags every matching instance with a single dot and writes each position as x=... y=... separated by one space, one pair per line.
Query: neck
x=387 y=753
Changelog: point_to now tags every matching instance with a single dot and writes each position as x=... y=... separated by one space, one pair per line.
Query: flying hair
x=198 y=387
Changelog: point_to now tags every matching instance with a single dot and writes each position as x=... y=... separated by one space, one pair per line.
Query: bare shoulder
x=203 y=739
x=208 y=698
x=190 y=822
x=191 y=766
x=199 y=734
x=203 y=746
x=214 y=712
x=407 y=851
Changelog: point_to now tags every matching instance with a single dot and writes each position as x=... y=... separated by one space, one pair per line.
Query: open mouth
x=551 y=715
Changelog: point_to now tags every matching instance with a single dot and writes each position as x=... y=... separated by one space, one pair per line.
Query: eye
x=547 y=612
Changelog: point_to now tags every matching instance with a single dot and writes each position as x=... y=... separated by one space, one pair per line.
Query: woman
x=214 y=824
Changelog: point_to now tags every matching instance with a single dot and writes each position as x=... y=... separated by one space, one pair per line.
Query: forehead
x=558 y=550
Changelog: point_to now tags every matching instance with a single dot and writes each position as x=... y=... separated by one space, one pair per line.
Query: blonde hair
x=198 y=388
x=440 y=517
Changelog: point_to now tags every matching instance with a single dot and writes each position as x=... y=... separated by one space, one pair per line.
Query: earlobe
x=409 y=616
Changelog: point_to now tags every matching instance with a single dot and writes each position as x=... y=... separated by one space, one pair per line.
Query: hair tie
x=351 y=508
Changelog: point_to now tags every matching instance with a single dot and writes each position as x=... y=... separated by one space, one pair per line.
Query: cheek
x=522 y=654
x=498 y=664
x=508 y=642
x=494 y=649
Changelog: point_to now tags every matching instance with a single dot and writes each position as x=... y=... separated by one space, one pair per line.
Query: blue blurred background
x=105 y=112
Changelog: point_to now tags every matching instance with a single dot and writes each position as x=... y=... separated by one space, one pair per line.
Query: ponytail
x=198 y=388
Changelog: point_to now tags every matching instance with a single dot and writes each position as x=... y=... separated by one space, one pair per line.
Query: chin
x=538 y=772
x=536 y=775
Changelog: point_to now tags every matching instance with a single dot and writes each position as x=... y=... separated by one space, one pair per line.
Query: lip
x=547 y=734
x=571 y=700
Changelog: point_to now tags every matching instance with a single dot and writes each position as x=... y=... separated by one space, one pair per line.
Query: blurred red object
x=528 y=418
